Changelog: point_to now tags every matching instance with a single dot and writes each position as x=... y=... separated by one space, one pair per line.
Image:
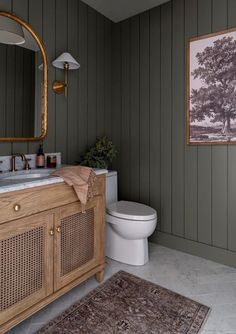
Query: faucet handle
x=13 y=163
x=27 y=166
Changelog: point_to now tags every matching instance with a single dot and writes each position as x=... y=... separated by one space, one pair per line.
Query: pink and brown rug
x=126 y=304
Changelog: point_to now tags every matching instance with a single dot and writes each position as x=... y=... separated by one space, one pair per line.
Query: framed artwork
x=211 y=89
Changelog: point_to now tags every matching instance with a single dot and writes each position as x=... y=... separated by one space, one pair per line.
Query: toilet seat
x=131 y=211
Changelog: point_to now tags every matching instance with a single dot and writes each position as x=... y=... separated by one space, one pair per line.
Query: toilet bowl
x=128 y=225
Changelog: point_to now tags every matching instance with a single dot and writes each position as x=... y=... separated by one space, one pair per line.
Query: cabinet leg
x=100 y=276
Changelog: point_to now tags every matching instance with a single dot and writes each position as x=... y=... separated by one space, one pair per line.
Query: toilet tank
x=111 y=187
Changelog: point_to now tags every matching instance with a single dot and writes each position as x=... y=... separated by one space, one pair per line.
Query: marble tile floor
x=208 y=282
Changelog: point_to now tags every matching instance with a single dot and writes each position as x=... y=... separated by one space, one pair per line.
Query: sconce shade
x=65 y=62
x=68 y=59
x=11 y=32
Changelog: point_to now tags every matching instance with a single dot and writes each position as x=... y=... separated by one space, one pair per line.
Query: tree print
x=216 y=98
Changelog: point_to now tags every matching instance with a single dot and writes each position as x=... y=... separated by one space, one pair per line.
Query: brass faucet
x=23 y=158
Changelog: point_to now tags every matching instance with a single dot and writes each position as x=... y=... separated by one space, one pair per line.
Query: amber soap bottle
x=40 y=158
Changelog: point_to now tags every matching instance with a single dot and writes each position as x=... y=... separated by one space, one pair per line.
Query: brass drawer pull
x=51 y=232
x=58 y=229
x=16 y=207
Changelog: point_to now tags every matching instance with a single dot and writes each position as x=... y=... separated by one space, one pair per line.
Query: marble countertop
x=7 y=185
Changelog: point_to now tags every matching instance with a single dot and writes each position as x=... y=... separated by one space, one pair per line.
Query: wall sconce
x=11 y=32
x=67 y=62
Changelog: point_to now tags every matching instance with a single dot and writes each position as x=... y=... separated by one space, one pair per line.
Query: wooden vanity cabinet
x=44 y=254
x=77 y=242
x=26 y=268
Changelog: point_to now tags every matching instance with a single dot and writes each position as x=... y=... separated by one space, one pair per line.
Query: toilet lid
x=131 y=211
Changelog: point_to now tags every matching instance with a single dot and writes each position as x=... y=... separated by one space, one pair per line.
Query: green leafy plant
x=100 y=155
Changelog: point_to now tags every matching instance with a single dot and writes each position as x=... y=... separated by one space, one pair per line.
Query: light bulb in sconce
x=65 y=62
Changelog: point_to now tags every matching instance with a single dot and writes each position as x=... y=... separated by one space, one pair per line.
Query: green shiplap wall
x=17 y=119
x=70 y=25
x=192 y=188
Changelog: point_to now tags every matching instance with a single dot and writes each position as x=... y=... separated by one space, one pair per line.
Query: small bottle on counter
x=40 y=158
x=51 y=161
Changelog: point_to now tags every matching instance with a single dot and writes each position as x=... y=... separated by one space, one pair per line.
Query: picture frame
x=211 y=89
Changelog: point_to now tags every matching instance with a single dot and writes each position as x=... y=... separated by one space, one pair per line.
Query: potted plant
x=100 y=155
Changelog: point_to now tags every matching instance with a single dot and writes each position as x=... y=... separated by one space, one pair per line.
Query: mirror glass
x=23 y=106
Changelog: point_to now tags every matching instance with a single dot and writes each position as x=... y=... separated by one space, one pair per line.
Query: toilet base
x=133 y=252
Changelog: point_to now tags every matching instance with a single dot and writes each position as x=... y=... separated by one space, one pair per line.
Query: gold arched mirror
x=23 y=82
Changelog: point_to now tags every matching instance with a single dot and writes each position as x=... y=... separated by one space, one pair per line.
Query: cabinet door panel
x=77 y=241
x=25 y=266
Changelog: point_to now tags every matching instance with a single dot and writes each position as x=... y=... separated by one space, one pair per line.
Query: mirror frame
x=44 y=105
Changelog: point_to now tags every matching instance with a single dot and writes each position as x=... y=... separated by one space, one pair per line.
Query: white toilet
x=128 y=225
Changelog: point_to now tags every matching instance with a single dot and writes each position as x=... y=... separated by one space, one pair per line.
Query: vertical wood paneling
x=6 y=5
x=204 y=153
x=64 y=26
x=204 y=195
x=36 y=21
x=10 y=91
x=107 y=75
x=219 y=197
x=3 y=59
x=231 y=233
x=92 y=75
x=155 y=109
x=231 y=13
x=20 y=87
x=144 y=96
x=116 y=92
x=72 y=144
x=49 y=32
x=166 y=112
x=27 y=120
x=83 y=78
x=196 y=183
x=5 y=148
x=61 y=101
x=16 y=80
x=219 y=155
x=191 y=152
x=178 y=118
x=20 y=8
x=134 y=108
x=219 y=15
x=100 y=77
x=125 y=110
x=231 y=159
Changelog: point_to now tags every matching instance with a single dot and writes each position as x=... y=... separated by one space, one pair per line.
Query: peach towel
x=81 y=178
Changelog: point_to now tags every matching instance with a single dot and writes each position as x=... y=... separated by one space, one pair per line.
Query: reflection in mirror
x=21 y=87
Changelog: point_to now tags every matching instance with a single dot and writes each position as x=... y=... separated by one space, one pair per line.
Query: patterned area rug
x=126 y=304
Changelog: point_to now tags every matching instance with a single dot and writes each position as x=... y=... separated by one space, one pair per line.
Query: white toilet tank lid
x=131 y=211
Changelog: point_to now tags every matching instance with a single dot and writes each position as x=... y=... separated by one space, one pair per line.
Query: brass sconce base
x=58 y=87
x=67 y=62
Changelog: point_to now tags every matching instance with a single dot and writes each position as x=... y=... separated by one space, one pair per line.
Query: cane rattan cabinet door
x=26 y=269
x=77 y=241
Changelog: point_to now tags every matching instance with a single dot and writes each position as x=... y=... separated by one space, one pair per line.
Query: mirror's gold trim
x=44 y=113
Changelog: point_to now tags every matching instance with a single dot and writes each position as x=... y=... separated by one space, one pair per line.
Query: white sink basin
x=27 y=175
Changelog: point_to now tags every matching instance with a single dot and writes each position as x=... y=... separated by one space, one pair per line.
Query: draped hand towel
x=81 y=178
